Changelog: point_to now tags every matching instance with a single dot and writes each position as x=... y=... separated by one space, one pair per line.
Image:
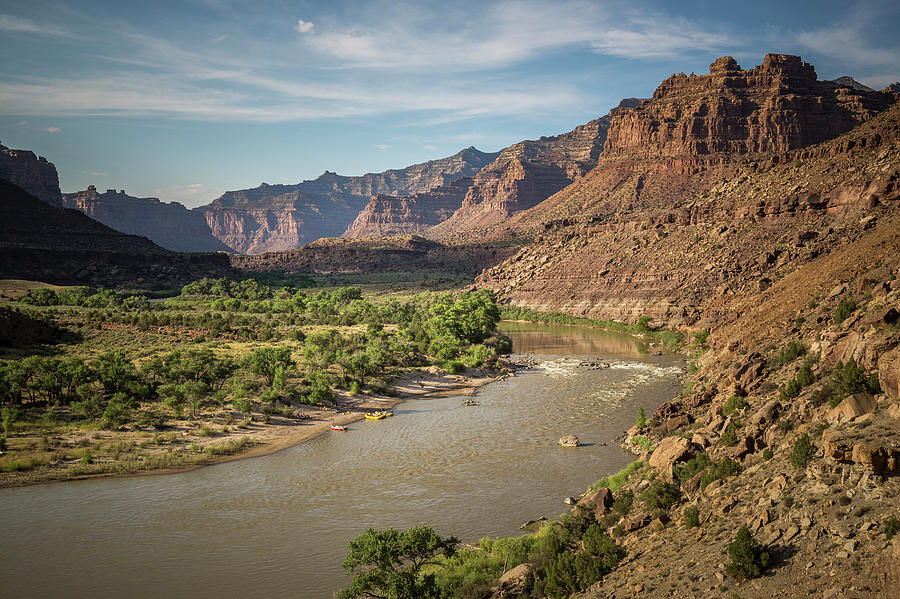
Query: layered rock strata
x=170 y=225
x=32 y=173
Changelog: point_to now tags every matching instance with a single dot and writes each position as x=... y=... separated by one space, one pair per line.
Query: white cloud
x=304 y=26
x=11 y=23
x=849 y=44
x=430 y=147
x=98 y=174
x=22 y=123
x=52 y=129
x=220 y=38
x=382 y=147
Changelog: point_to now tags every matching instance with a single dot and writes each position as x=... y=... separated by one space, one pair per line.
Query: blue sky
x=184 y=100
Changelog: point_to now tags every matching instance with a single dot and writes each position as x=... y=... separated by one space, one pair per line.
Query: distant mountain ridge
x=170 y=225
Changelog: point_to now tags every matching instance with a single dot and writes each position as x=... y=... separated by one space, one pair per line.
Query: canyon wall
x=170 y=225
x=32 y=173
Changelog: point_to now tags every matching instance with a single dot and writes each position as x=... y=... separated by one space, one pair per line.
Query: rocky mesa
x=34 y=174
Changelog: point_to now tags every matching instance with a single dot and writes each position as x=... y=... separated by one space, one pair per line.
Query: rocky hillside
x=402 y=253
x=525 y=174
x=663 y=222
x=282 y=217
x=387 y=215
x=32 y=173
x=66 y=247
x=170 y=225
x=783 y=273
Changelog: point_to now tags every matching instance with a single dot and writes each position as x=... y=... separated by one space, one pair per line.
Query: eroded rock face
x=527 y=173
x=170 y=225
x=387 y=215
x=775 y=107
x=32 y=173
x=283 y=217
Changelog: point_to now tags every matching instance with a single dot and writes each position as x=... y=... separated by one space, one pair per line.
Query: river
x=278 y=525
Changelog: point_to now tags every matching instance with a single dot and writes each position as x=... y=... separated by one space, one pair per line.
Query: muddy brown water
x=278 y=526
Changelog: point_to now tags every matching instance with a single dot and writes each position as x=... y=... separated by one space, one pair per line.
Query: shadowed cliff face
x=282 y=217
x=170 y=225
x=34 y=174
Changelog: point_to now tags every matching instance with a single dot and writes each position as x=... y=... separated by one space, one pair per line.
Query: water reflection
x=563 y=340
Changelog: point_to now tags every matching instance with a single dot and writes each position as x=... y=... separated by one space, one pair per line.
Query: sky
x=185 y=100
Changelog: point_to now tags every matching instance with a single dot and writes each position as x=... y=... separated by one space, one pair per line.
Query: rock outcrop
x=283 y=217
x=32 y=173
x=690 y=186
x=169 y=225
x=387 y=215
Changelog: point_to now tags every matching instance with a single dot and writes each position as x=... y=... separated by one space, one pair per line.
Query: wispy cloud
x=848 y=43
x=52 y=129
x=98 y=174
x=382 y=147
x=16 y=24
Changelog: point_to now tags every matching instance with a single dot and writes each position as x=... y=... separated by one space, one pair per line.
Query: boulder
x=851 y=407
x=515 y=576
x=766 y=414
x=597 y=502
x=638 y=522
x=569 y=441
x=670 y=451
x=677 y=422
x=870 y=456
x=745 y=447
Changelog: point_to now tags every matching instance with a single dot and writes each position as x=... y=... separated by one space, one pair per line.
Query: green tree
x=748 y=557
x=267 y=360
x=387 y=564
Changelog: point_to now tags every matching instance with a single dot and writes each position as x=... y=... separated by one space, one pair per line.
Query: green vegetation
x=219 y=347
x=891 y=527
x=613 y=482
x=641 y=420
x=729 y=435
x=566 y=556
x=748 y=558
x=802 y=452
x=791 y=352
x=691 y=517
x=802 y=379
x=389 y=563
x=643 y=443
x=850 y=378
x=733 y=404
x=844 y=310
x=673 y=340
x=661 y=495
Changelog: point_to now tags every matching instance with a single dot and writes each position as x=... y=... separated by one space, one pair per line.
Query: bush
x=729 y=436
x=791 y=352
x=724 y=468
x=767 y=453
x=843 y=311
x=748 y=558
x=641 y=420
x=803 y=452
x=733 y=404
x=616 y=481
x=661 y=495
x=691 y=517
x=891 y=527
x=623 y=502
x=850 y=378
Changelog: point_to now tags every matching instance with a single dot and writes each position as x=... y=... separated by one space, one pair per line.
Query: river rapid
x=278 y=525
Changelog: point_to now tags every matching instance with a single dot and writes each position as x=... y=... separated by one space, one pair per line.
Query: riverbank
x=183 y=446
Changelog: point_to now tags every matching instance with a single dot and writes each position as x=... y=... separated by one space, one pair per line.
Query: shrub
x=691 y=517
x=696 y=464
x=767 y=453
x=733 y=404
x=850 y=378
x=843 y=311
x=791 y=352
x=616 y=481
x=243 y=405
x=641 y=420
x=643 y=443
x=454 y=366
x=802 y=452
x=729 y=436
x=661 y=495
x=748 y=558
x=623 y=502
x=724 y=468
x=891 y=527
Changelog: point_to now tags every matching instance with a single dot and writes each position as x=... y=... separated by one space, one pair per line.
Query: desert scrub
x=729 y=435
x=802 y=452
x=748 y=558
x=891 y=527
x=230 y=447
x=733 y=404
x=849 y=378
x=691 y=517
x=844 y=310
x=661 y=495
x=791 y=352
x=643 y=443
